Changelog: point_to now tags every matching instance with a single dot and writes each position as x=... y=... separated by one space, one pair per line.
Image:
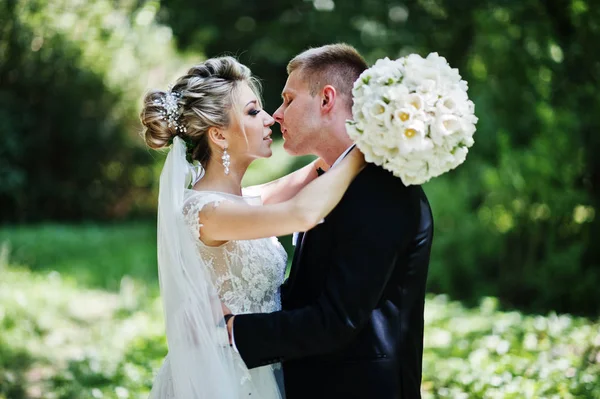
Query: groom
x=352 y=318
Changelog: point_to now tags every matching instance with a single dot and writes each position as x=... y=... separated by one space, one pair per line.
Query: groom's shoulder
x=384 y=190
x=377 y=197
x=378 y=180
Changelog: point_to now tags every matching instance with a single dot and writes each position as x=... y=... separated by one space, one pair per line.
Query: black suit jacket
x=352 y=318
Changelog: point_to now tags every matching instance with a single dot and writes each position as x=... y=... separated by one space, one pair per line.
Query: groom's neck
x=334 y=145
x=335 y=139
x=331 y=151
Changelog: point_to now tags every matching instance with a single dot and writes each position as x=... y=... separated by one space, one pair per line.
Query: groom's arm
x=364 y=259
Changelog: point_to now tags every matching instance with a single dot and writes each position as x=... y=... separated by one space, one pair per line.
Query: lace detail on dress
x=247 y=273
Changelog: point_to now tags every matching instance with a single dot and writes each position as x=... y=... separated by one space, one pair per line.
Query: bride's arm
x=287 y=186
x=239 y=221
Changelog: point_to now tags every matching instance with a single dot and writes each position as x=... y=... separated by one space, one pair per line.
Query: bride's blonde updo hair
x=205 y=96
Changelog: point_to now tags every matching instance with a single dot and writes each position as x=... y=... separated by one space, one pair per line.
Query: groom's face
x=299 y=116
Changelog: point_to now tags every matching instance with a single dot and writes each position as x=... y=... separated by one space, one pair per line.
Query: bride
x=216 y=245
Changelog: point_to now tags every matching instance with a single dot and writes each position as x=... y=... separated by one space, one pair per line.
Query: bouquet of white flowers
x=412 y=116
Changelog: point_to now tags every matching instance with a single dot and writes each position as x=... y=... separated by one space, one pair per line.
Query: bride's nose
x=269 y=121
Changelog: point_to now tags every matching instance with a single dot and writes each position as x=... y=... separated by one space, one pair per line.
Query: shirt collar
x=343 y=155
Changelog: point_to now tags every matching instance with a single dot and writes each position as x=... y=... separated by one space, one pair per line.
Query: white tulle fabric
x=194 y=278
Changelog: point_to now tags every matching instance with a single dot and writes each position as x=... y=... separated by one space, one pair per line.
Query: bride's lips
x=268 y=136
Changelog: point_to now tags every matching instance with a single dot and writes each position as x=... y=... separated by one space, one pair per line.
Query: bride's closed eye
x=254 y=112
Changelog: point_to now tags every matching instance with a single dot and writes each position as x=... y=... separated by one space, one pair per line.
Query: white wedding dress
x=247 y=275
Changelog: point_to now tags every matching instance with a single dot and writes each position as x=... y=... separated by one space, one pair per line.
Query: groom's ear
x=328 y=98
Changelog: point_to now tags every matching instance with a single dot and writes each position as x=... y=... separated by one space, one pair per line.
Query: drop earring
x=226 y=160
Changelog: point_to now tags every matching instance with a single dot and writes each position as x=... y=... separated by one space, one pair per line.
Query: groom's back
x=379 y=238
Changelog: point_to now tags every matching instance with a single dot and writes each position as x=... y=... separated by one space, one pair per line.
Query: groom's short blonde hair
x=338 y=65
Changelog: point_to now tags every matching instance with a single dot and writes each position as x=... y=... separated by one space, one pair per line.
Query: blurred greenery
x=66 y=342
x=70 y=83
x=517 y=222
x=61 y=341
x=93 y=256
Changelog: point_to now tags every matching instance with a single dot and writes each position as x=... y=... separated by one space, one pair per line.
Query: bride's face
x=251 y=137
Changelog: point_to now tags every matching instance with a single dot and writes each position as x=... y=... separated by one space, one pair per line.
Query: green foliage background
x=517 y=222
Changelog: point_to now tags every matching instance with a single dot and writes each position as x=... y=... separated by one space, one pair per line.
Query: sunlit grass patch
x=67 y=342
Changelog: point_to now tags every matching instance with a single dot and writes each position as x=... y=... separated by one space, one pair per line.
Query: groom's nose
x=278 y=115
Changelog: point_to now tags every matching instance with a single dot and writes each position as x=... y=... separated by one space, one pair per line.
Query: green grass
x=67 y=333
x=487 y=353
x=94 y=255
x=61 y=341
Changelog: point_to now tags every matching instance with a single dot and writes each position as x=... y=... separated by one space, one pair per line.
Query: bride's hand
x=321 y=164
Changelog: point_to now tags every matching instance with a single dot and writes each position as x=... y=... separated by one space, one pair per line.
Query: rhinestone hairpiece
x=171 y=112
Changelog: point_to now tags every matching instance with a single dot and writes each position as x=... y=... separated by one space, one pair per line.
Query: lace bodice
x=247 y=273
